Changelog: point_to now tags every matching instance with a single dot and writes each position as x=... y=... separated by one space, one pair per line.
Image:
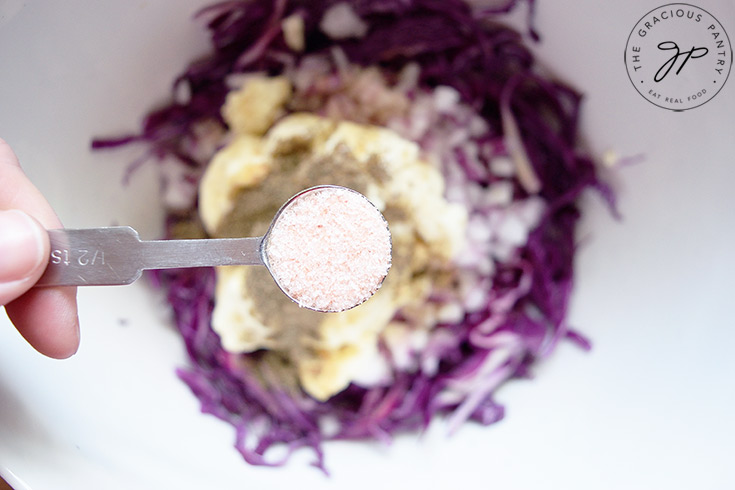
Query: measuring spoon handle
x=116 y=255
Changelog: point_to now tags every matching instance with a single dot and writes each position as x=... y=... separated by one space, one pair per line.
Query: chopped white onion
x=341 y=21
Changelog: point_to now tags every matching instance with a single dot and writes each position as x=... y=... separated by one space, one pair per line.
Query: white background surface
x=649 y=407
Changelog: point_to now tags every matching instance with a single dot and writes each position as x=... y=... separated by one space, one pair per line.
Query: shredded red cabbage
x=525 y=314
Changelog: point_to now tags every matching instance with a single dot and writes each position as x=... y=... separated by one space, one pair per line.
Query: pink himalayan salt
x=330 y=249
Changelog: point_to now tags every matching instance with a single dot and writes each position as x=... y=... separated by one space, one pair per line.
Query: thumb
x=24 y=248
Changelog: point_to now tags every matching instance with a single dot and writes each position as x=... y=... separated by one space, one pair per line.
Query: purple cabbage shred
x=489 y=65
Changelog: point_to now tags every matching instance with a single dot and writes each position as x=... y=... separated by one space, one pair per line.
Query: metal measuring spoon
x=117 y=256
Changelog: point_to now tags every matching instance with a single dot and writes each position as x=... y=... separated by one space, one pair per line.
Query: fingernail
x=21 y=245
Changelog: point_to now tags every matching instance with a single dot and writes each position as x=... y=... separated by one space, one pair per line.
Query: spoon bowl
x=328 y=248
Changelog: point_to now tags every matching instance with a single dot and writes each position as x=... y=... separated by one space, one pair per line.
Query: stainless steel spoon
x=117 y=256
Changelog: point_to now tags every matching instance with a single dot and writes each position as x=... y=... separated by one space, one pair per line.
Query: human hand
x=46 y=317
